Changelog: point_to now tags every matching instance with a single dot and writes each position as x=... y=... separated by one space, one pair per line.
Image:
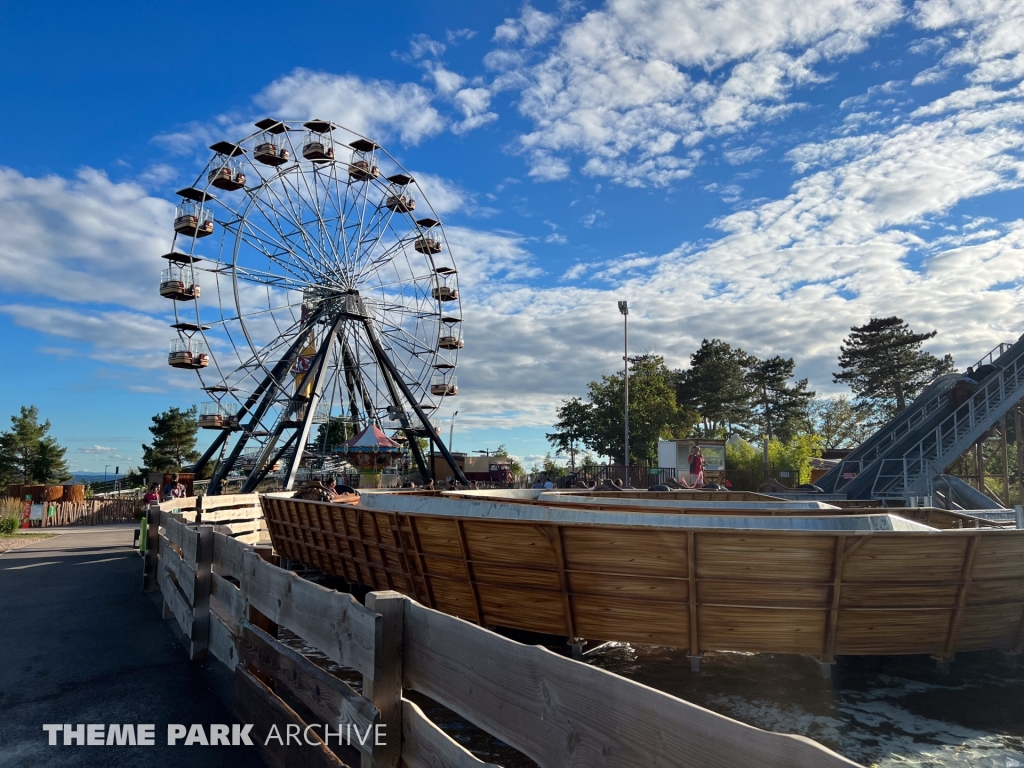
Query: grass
x=31 y=533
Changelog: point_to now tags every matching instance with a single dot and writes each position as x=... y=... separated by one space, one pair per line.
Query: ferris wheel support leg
x=384 y=360
x=214 y=447
x=265 y=391
x=255 y=478
x=417 y=454
x=319 y=372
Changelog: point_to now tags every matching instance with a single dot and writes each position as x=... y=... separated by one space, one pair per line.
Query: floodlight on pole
x=624 y=309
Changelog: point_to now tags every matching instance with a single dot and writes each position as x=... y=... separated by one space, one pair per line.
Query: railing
x=88 y=512
x=229 y=599
x=993 y=354
x=912 y=473
x=914 y=419
x=639 y=476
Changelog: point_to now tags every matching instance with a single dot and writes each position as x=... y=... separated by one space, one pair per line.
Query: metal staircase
x=913 y=472
x=902 y=458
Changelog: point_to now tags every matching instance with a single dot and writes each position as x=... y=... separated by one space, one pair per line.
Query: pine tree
x=28 y=454
x=715 y=386
x=174 y=440
x=780 y=408
x=884 y=364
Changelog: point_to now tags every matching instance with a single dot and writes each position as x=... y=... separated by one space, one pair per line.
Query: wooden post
x=385 y=689
x=966 y=572
x=152 y=545
x=201 y=604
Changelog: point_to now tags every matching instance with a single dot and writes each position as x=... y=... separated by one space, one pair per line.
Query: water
x=887 y=712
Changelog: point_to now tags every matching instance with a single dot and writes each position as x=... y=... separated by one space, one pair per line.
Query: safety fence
x=89 y=512
x=229 y=600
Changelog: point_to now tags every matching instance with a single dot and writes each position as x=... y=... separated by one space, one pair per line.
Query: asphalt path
x=81 y=643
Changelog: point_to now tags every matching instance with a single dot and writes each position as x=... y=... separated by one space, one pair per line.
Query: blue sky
x=764 y=171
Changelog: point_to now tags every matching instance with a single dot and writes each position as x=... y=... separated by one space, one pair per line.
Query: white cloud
x=375 y=108
x=742 y=155
x=86 y=240
x=625 y=84
x=100 y=449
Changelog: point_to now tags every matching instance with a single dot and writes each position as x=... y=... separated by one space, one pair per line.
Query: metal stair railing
x=993 y=354
x=919 y=416
x=895 y=435
x=912 y=473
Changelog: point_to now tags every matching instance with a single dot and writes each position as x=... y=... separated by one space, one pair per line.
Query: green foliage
x=779 y=408
x=884 y=364
x=10 y=514
x=574 y=418
x=335 y=432
x=653 y=412
x=28 y=454
x=715 y=386
x=174 y=441
x=514 y=466
x=794 y=455
x=551 y=469
x=838 y=422
x=741 y=455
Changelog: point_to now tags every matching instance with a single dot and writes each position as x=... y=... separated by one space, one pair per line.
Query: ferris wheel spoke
x=297 y=210
x=313 y=271
x=255 y=239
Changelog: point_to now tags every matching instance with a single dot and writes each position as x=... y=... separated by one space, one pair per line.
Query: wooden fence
x=89 y=512
x=229 y=599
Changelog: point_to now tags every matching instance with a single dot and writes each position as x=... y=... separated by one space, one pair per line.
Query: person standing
x=696 y=466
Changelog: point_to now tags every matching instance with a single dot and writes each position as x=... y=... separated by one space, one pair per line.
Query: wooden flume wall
x=821 y=593
x=229 y=600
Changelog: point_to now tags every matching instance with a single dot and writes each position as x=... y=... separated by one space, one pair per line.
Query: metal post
x=624 y=309
x=451 y=430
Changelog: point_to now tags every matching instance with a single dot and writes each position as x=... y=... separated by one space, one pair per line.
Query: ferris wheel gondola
x=315 y=285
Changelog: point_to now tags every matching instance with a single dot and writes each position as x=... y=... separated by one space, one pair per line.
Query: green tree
x=574 y=420
x=653 y=412
x=552 y=469
x=838 y=422
x=885 y=365
x=174 y=440
x=334 y=432
x=715 y=386
x=28 y=454
x=779 y=407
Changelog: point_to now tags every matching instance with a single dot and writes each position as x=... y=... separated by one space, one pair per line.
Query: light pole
x=624 y=309
x=451 y=431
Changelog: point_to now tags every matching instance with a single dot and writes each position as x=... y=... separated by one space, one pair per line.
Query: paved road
x=80 y=643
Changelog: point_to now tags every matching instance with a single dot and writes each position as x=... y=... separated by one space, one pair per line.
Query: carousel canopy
x=370 y=440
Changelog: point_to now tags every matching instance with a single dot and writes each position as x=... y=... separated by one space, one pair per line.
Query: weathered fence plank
x=332 y=621
x=424 y=745
x=222 y=641
x=180 y=535
x=257 y=704
x=559 y=712
x=228 y=554
x=183 y=573
x=174 y=602
x=326 y=696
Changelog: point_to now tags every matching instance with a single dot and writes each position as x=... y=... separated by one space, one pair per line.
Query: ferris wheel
x=312 y=285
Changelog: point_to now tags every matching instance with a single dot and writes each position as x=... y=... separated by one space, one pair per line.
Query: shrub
x=10 y=514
